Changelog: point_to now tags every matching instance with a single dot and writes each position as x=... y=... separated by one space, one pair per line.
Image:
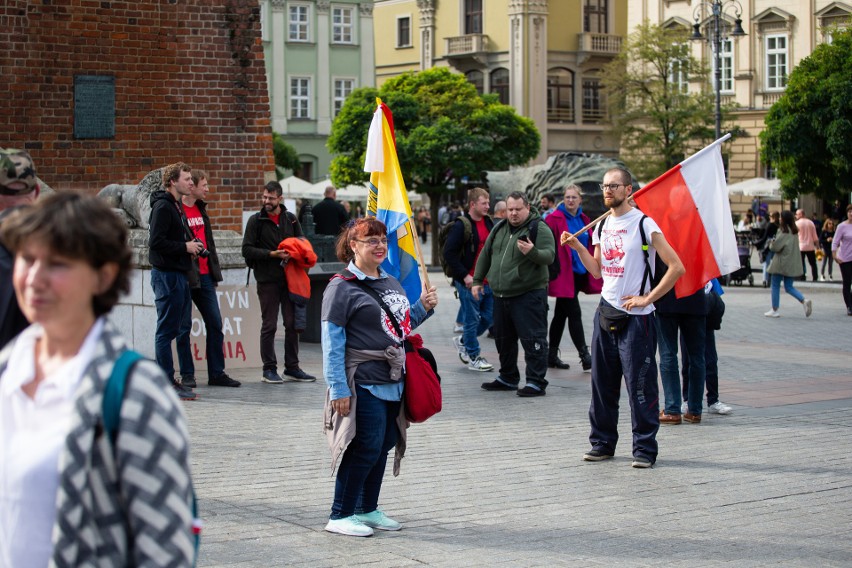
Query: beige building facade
x=755 y=67
x=543 y=57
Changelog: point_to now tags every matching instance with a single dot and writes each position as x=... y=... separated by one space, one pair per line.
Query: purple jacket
x=563 y=285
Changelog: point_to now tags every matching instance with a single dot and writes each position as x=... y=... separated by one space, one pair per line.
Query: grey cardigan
x=787 y=260
x=130 y=505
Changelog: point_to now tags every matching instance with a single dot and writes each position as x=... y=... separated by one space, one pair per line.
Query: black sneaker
x=496 y=385
x=298 y=375
x=183 y=392
x=596 y=456
x=223 y=380
x=586 y=360
x=271 y=377
x=555 y=362
x=530 y=390
x=188 y=381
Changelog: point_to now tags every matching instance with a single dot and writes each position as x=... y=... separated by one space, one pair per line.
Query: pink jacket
x=563 y=285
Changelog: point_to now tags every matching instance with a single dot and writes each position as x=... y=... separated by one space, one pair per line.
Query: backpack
x=553 y=268
x=111 y=415
x=443 y=235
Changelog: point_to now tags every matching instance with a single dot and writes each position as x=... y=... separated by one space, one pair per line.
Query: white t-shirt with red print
x=622 y=260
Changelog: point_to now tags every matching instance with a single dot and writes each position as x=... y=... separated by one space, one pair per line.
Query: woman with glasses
x=573 y=278
x=365 y=318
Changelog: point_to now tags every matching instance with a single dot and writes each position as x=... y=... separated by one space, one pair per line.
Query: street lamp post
x=718 y=9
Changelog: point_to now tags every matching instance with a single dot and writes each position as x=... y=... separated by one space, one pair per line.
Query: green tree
x=286 y=157
x=656 y=120
x=444 y=131
x=808 y=135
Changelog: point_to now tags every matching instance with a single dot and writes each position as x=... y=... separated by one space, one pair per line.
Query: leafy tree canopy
x=286 y=157
x=444 y=131
x=657 y=122
x=808 y=135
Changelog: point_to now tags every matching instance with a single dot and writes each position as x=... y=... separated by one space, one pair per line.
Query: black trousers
x=273 y=296
x=522 y=317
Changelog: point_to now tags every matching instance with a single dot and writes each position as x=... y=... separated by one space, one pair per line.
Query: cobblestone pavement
x=498 y=480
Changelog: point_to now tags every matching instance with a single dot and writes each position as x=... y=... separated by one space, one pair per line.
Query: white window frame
x=771 y=58
x=410 y=30
x=343 y=31
x=299 y=102
x=338 y=97
x=727 y=59
x=299 y=29
x=678 y=76
x=264 y=21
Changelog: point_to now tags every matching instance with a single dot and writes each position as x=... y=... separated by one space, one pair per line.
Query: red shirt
x=482 y=231
x=196 y=225
x=275 y=218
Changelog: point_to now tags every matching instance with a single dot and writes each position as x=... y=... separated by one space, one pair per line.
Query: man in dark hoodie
x=171 y=254
x=263 y=233
x=204 y=277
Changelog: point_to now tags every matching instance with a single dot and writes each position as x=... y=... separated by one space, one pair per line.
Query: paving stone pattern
x=496 y=480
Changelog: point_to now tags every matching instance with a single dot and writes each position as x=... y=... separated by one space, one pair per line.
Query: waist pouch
x=612 y=319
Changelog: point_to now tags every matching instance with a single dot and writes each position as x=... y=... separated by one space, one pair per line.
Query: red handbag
x=422 y=393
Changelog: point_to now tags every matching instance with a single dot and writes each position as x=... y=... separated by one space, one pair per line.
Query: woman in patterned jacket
x=69 y=495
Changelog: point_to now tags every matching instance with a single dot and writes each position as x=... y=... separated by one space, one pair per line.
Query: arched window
x=500 y=84
x=560 y=95
x=477 y=79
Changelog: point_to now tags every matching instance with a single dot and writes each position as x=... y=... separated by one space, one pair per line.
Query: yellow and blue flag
x=388 y=201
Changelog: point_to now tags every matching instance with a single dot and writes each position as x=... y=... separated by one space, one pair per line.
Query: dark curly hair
x=76 y=226
x=357 y=229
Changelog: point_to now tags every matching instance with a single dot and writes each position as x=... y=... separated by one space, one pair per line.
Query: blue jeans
x=207 y=302
x=692 y=330
x=711 y=365
x=788 y=287
x=362 y=468
x=477 y=316
x=629 y=353
x=173 y=303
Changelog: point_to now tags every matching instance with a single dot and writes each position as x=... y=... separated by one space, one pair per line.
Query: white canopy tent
x=757 y=187
x=297 y=188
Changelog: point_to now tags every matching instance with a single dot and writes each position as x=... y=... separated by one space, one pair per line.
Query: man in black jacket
x=264 y=232
x=18 y=187
x=171 y=255
x=205 y=275
x=329 y=215
x=462 y=248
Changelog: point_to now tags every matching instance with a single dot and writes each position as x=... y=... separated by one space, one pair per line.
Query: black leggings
x=846 y=273
x=567 y=308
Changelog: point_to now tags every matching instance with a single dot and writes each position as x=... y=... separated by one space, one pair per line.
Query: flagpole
x=563 y=238
x=424 y=275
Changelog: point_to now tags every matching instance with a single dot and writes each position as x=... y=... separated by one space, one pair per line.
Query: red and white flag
x=690 y=204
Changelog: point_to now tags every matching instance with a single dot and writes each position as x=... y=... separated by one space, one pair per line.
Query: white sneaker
x=719 y=407
x=457 y=328
x=378 y=520
x=772 y=314
x=458 y=342
x=684 y=408
x=350 y=526
x=480 y=364
x=809 y=307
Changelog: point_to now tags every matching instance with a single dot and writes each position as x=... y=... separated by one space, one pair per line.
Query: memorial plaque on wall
x=94 y=106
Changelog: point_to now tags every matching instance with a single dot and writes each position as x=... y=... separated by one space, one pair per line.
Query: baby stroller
x=744 y=246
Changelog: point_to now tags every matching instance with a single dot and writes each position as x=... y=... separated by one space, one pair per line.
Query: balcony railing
x=594 y=115
x=770 y=99
x=560 y=115
x=599 y=43
x=470 y=44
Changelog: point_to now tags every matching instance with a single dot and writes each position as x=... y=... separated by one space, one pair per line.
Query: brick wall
x=190 y=86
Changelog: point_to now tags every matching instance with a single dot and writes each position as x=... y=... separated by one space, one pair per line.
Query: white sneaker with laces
x=772 y=314
x=458 y=342
x=458 y=328
x=350 y=526
x=480 y=364
x=378 y=520
x=809 y=307
x=719 y=407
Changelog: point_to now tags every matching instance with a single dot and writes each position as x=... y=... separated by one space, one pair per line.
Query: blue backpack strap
x=114 y=392
x=111 y=412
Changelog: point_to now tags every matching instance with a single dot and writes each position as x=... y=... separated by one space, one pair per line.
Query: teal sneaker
x=378 y=520
x=350 y=526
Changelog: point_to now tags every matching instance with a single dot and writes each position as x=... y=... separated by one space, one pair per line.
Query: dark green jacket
x=508 y=270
